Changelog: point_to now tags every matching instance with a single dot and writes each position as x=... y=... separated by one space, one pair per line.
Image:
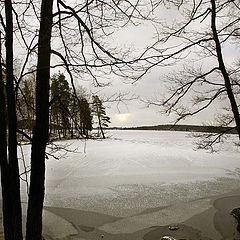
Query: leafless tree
x=12 y=218
x=196 y=42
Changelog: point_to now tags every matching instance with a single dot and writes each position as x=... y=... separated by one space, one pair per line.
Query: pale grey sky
x=135 y=113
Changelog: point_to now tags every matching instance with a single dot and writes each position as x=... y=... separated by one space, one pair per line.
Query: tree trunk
x=223 y=70
x=100 y=126
x=12 y=214
x=41 y=130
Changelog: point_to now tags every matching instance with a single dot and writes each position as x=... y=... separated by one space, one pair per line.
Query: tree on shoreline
x=60 y=101
x=85 y=117
x=99 y=111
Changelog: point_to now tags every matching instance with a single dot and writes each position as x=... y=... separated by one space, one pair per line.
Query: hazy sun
x=123 y=117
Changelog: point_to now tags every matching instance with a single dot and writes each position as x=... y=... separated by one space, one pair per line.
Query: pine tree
x=100 y=112
x=60 y=101
x=80 y=113
x=85 y=116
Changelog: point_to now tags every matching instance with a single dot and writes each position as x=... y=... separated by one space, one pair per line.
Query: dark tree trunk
x=12 y=214
x=41 y=130
x=58 y=128
x=223 y=70
x=100 y=126
x=50 y=122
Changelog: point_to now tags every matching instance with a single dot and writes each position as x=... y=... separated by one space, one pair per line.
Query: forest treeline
x=184 y=128
x=72 y=111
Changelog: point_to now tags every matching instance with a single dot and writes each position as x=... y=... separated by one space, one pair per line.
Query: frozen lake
x=132 y=171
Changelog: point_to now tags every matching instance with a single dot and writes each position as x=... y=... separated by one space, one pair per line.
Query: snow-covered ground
x=132 y=171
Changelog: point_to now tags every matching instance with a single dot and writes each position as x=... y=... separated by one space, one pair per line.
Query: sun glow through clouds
x=123 y=117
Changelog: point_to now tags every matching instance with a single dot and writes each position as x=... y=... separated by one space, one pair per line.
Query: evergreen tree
x=85 y=116
x=60 y=101
x=100 y=112
x=81 y=113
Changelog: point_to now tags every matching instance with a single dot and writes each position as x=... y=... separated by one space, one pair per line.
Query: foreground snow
x=136 y=170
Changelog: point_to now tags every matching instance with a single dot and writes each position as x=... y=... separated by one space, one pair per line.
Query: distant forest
x=183 y=128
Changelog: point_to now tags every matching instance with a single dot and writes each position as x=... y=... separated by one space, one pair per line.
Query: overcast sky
x=136 y=112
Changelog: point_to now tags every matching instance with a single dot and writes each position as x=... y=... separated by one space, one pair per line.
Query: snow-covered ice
x=136 y=170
